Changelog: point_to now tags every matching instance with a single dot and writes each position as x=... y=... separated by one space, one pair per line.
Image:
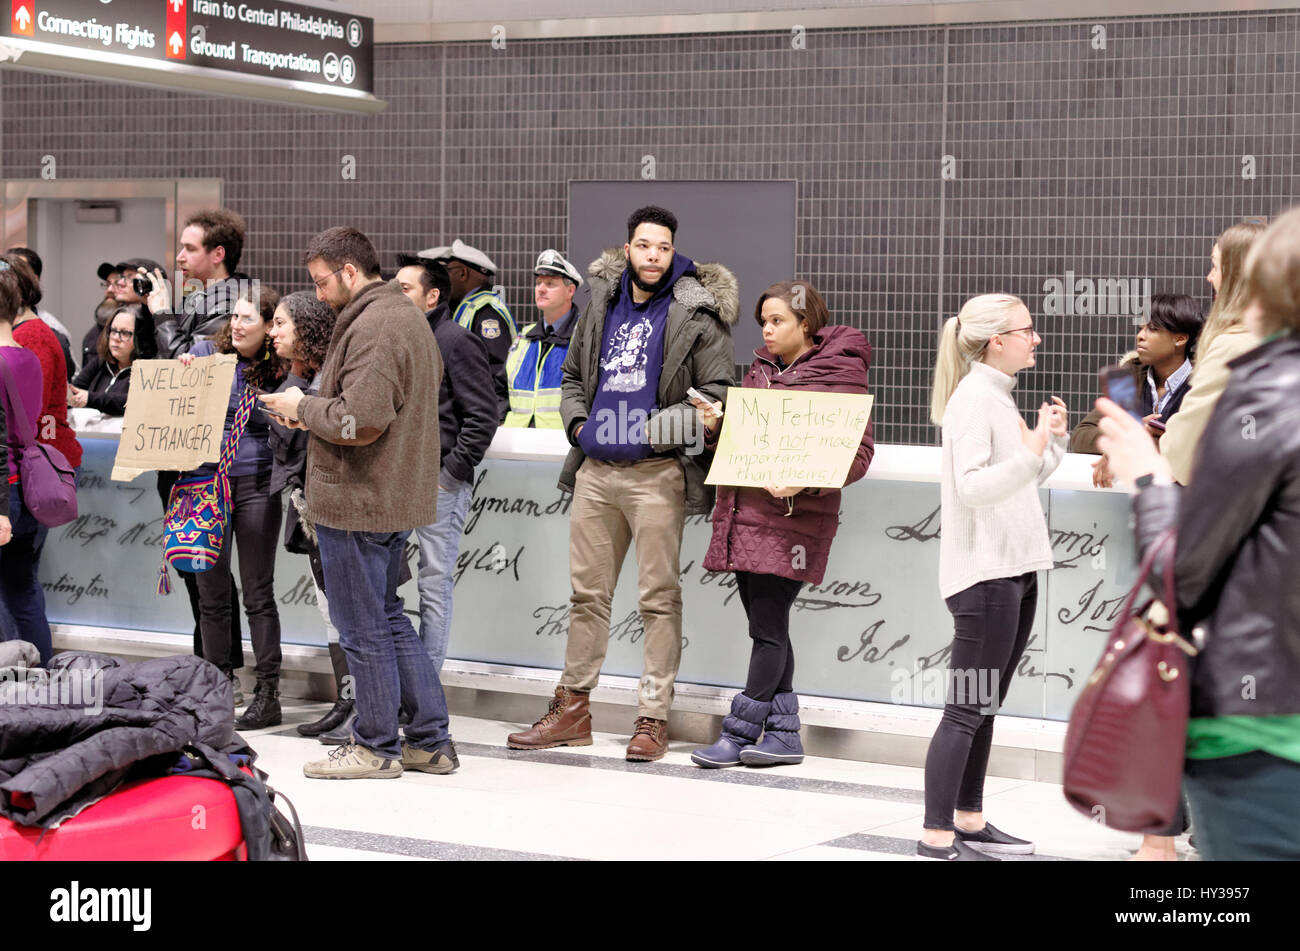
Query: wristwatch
x=1143 y=481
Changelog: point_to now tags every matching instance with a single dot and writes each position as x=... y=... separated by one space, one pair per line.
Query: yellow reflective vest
x=534 y=370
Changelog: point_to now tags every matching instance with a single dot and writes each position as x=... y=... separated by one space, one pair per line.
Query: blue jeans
x=390 y=667
x=19 y=564
x=1244 y=807
x=439 y=544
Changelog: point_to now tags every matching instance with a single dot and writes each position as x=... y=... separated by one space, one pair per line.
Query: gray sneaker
x=353 y=761
x=237 y=689
x=440 y=761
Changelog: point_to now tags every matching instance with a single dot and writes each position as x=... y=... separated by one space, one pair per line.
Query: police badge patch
x=490 y=328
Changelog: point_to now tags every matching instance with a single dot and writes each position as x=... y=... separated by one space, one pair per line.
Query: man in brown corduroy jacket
x=372 y=477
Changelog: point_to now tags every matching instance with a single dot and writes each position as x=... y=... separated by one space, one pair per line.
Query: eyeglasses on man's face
x=320 y=284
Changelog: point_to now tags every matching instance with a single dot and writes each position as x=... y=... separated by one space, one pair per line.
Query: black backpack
x=268 y=834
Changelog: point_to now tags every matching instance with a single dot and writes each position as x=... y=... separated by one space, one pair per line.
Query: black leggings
x=255 y=527
x=767 y=600
x=167 y=479
x=992 y=620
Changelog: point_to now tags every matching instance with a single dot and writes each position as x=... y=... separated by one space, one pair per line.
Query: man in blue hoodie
x=656 y=324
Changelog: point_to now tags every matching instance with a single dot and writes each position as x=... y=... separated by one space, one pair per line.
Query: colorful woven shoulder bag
x=198 y=510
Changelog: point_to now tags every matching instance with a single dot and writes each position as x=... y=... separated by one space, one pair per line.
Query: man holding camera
x=211 y=244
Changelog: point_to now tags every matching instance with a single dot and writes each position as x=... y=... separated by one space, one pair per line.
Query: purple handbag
x=48 y=482
x=1128 y=731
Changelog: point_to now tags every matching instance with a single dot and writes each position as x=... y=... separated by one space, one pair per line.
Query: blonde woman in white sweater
x=993 y=543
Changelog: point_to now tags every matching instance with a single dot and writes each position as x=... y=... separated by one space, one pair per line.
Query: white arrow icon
x=175 y=43
x=22 y=17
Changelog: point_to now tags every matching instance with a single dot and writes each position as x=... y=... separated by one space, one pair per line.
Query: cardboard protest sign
x=788 y=438
x=175 y=415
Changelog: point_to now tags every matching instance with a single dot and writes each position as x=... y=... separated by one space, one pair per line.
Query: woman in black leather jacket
x=1238 y=524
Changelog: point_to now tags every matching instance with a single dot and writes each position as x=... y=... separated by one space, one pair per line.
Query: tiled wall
x=1110 y=164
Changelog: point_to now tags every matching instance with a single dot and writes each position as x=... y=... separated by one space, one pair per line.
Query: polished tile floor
x=589 y=803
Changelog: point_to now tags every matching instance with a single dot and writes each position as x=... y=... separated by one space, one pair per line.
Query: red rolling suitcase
x=169 y=818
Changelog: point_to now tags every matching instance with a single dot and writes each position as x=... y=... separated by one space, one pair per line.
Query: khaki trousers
x=615 y=503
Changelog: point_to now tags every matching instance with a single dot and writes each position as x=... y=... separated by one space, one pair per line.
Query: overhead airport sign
x=258 y=48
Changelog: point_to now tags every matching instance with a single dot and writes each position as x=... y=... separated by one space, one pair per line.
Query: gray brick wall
x=1113 y=164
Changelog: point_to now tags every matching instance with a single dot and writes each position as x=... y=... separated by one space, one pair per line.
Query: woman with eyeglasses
x=104 y=381
x=993 y=544
x=254 y=524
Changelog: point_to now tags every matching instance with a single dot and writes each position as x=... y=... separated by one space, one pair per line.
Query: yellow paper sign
x=175 y=415
x=788 y=438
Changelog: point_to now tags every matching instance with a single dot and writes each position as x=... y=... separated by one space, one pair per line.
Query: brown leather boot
x=649 y=740
x=567 y=722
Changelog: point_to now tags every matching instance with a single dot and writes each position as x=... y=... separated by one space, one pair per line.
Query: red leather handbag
x=1128 y=731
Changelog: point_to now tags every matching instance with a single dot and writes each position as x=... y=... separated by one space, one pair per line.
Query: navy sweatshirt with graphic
x=631 y=359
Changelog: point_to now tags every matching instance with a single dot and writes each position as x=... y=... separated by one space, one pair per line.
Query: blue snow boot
x=780 y=745
x=740 y=729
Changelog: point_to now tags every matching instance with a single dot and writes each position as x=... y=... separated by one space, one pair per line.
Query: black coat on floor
x=56 y=760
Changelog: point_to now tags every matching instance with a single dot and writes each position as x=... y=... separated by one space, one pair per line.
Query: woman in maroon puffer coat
x=778 y=537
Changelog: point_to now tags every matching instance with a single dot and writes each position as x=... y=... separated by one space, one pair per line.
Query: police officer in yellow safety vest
x=476 y=308
x=533 y=366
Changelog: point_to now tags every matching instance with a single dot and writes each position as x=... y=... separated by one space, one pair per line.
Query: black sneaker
x=959 y=851
x=993 y=839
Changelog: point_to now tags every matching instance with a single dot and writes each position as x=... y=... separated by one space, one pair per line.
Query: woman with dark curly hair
x=254 y=509
x=300 y=332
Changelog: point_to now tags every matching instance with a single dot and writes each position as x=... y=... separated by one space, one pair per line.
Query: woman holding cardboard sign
x=254 y=516
x=993 y=544
x=777 y=538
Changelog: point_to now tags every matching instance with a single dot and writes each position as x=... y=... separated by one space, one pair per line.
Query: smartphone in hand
x=1120 y=386
x=696 y=395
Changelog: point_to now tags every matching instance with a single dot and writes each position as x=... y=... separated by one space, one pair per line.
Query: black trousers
x=166 y=480
x=255 y=528
x=992 y=620
x=767 y=600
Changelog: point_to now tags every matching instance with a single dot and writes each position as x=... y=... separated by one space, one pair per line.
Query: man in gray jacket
x=372 y=477
x=656 y=324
